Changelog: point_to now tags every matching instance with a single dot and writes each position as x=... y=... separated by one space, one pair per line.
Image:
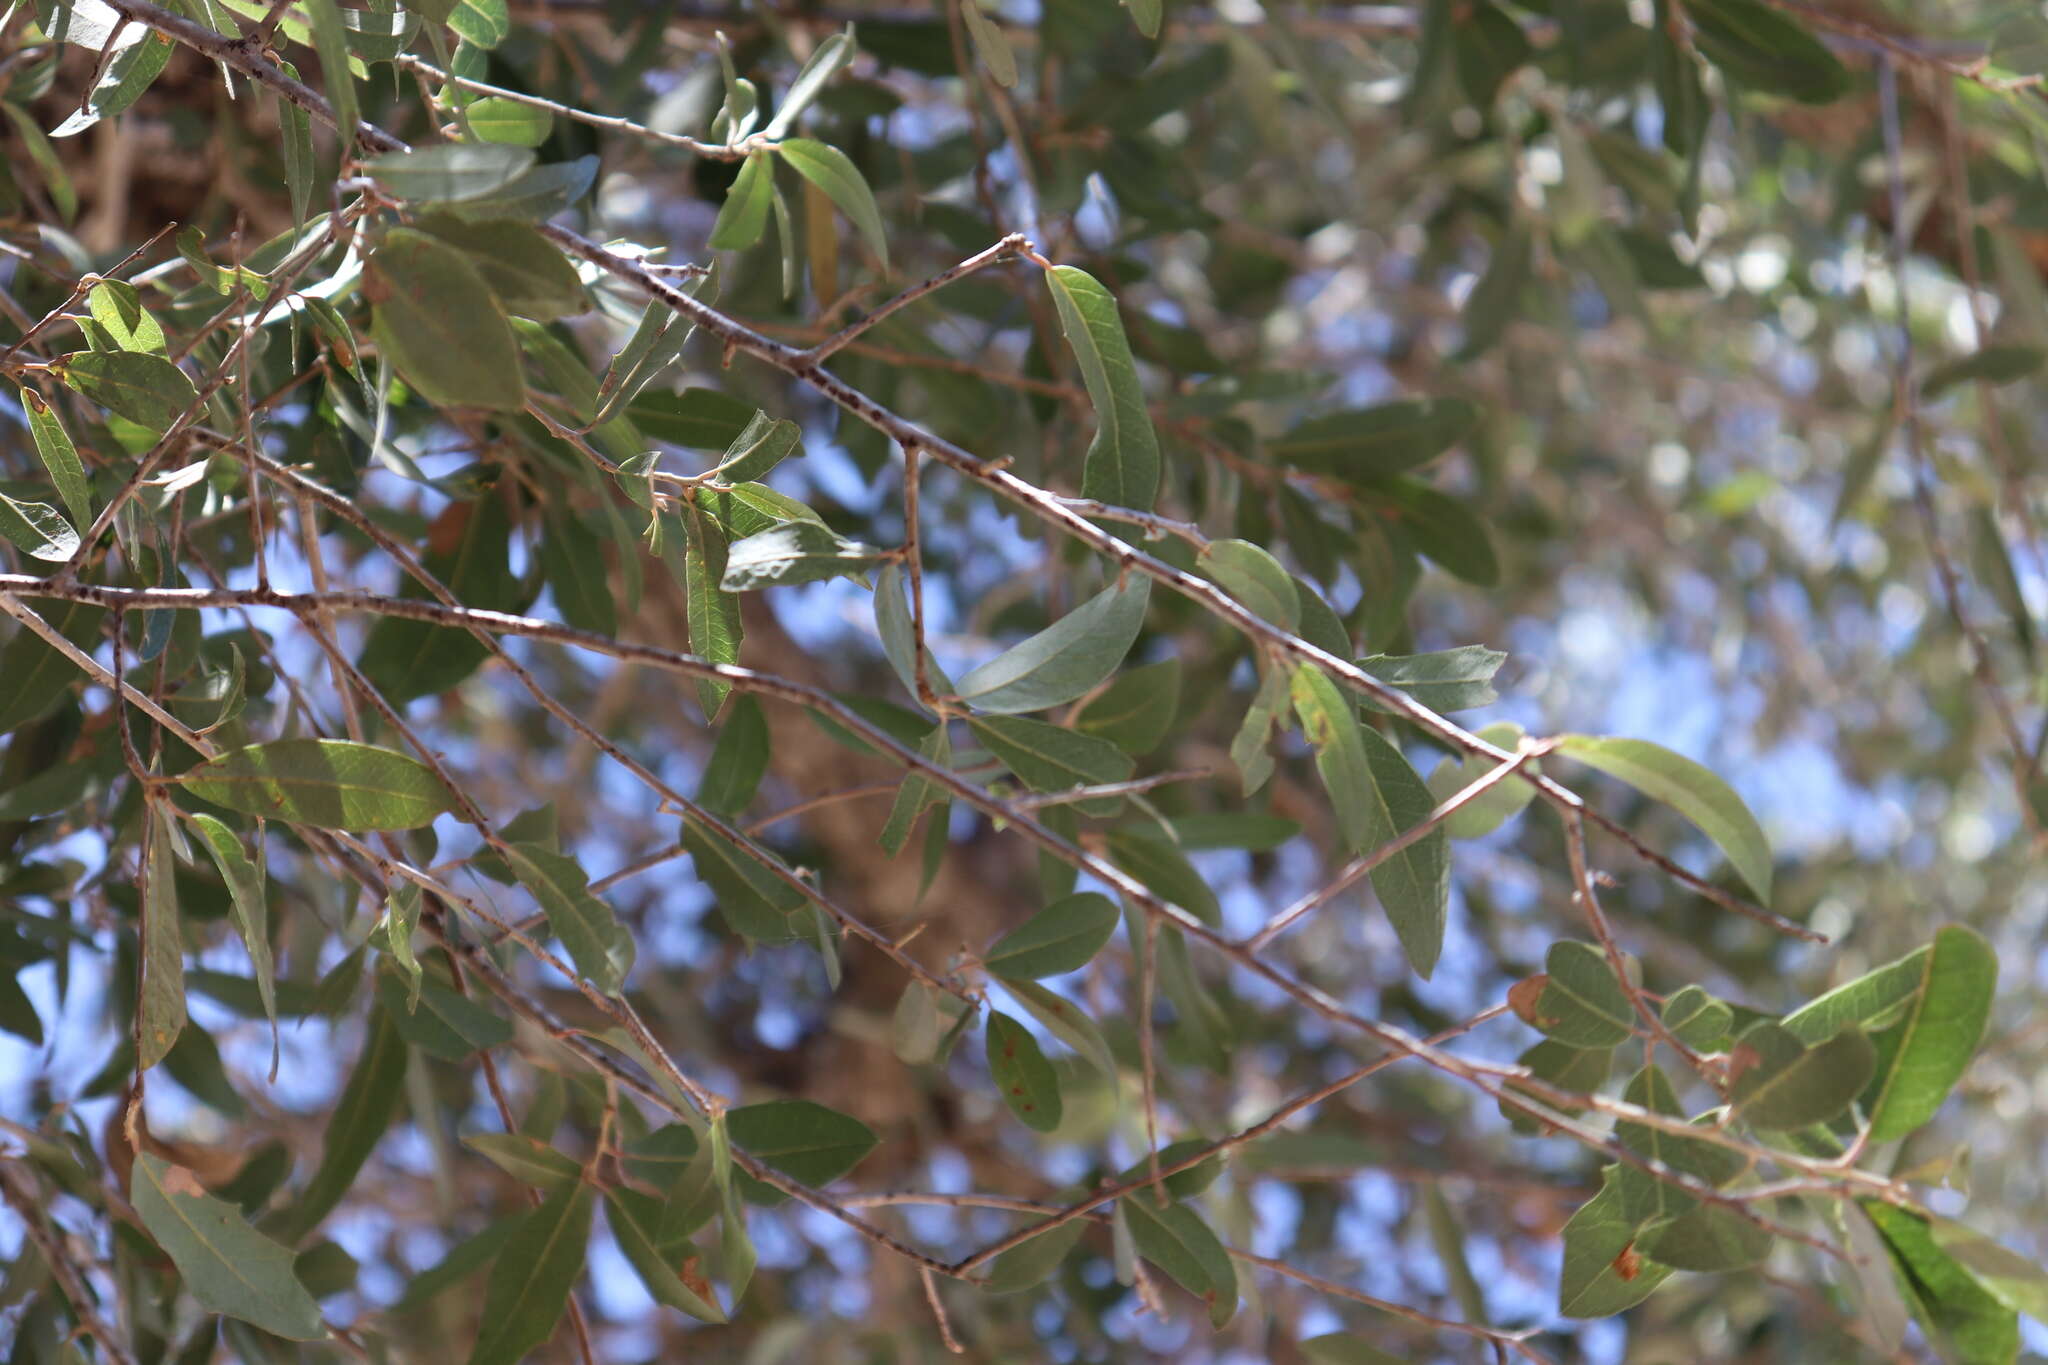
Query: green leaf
x=1065 y=660
x=2002 y=364
x=1164 y=870
x=634 y=1222
x=699 y=419
x=35 y=674
x=1066 y=1021
x=1251 y=747
x=449 y=172
x=832 y=171
x=59 y=457
x=1923 y=1057
x=530 y=1283
x=38 y=530
x=516 y=124
x=117 y=307
x=1696 y=1018
x=1022 y=1075
x=361 y=1115
x=1176 y=1240
x=1340 y=1349
x=1029 y=1264
x=1580 y=1071
x=162 y=1004
x=1123 y=459
x=438 y=1021
x=1761 y=48
x=1645 y=1197
x=1136 y=710
x=1050 y=758
x=1255 y=579
x=805 y=1141
x=918 y=792
x=1782 y=1083
x=438 y=321
x=1581 y=1004
x=1873 y=1001
x=482 y=23
x=793 y=552
x=1060 y=938
x=1449 y=1241
x=2011 y=1278
x=1966 y=1322
x=132 y=70
x=1446 y=680
x=1377 y=798
x=1707 y=1237
x=1604 y=1271
x=752 y=901
x=1443 y=528
x=601 y=947
x=327 y=783
x=1496 y=298
x=744 y=215
x=527 y=1160
x=739 y=758
x=330 y=41
x=252 y=919
x=990 y=44
x=1688 y=788
x=716 y=628
x=572 y=557
x=1377 y=442
x=764 y=444
x=146 y=389
x=1495 y=806
x=535 y=194
x=826 y=61
x=229 y=1266
x=526 y=271
x=1182 y=1184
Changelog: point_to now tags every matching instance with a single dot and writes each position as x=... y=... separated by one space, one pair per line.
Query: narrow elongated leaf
x=330 y=40
x=1066 y=1021
x=1923 y=1057
x=252 y=919
x=634 y=1226
x=1176 y=1240
x=1255 y=579
x=1447 y=680
x=438 y=1021
x=117 y=307
x=327 y=783
x=59 y=457
x=1165 y=871
x=825 y=62
x=793 y=552
x=38 y=530
x=752 y=901
x=161 y=1009
x=1766 y=50
x=1066 y=659
x=803 y=1140
x=1339 y=1348
x=449 y=172
x=601 y=947
x=716 y=630
x=832 y=171
x=1135 y=712
x=1060 y=938
x=764 y=444
x=738 y=759
x=1443 y=528
x=991 y=45
x=469 y=552
x=1992 y=365
x=230 y=1267
x=1495 y=806
x=1696 y=1018
x=360 y=1117
x=1023 y=1077
x=497 y=119
x=1378 y=796
x=1030 y=1263
x=527 y=1159
x=1050 y=758
x=1688 y=788
x=530 y=1283
x=146 y=389
x=440 y=323
x=1123 y=460
x=1377 y=442
x=1874 y=1001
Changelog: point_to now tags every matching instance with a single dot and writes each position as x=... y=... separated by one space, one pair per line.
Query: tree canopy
x=1072 y=681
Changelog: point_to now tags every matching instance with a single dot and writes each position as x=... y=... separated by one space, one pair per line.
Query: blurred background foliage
x=1698 y=505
